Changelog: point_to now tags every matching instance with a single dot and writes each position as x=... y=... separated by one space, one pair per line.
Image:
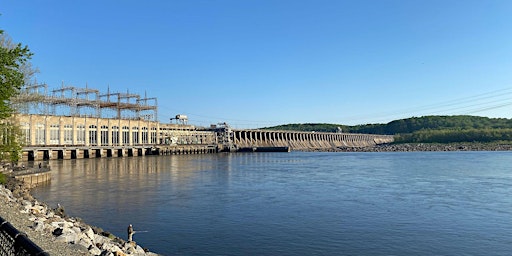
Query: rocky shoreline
x=412 y=147
x=53 y=231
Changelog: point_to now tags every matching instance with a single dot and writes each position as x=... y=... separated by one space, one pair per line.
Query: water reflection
x=110 y=190
x=296 y=203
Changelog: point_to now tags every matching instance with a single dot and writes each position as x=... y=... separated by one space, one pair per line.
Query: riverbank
x=54 y=231
x=406 y=147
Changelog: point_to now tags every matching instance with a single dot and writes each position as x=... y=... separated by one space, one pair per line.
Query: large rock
x=89 y=233
x=131 y=248
x=94 y=250
x=99 y=239
x=107 y=253
x=68 y=235
x=110 y=247
x=85 y=242
x=38 y=225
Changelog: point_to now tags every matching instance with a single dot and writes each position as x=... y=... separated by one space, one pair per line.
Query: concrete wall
x=35 y=179
x=306 y=140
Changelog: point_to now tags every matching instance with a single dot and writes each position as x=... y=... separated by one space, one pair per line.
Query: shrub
x=3 y=179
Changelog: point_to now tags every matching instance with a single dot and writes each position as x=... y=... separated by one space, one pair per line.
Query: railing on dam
x=14 y=243
x=306 y=140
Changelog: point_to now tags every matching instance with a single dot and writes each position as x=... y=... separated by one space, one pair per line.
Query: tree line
x=426 y=129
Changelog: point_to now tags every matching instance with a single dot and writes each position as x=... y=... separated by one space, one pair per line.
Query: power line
x=464 y=105
x=490 y=108
x=460 y=103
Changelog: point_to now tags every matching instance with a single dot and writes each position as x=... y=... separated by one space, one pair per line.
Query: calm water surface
x=421 y=203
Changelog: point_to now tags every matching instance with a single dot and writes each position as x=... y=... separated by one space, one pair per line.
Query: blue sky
x=257 y=63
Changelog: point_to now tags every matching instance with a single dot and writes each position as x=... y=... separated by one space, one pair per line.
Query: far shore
x=408 y=147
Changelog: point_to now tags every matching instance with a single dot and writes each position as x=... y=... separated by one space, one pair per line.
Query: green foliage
x=3 y=179
x=448 y=129
x=13 y=62
x=462 y=122
x=427 y=129
x=455 y=135
x=12 y=78
x=10 y=146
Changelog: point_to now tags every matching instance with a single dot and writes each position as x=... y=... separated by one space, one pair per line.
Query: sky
x=260 y=63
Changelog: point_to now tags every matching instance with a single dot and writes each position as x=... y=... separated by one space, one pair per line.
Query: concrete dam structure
x=48 y=137
x=306 y=140
x=74 y=123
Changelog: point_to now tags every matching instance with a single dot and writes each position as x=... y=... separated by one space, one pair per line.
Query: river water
x=298 y=203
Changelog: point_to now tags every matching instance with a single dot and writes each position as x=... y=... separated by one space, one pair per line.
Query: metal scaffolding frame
x=33 y=98
x=72 y=101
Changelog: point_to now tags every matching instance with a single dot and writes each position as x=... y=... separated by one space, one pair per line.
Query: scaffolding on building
x=76 y=101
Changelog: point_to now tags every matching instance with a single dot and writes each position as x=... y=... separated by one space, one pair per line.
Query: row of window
x=40 y=134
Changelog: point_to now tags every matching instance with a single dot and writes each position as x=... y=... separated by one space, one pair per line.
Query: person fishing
x=130 y=233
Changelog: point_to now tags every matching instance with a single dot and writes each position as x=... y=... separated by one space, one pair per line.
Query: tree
x=15 y=71
x=10 y=146
x=13 y=61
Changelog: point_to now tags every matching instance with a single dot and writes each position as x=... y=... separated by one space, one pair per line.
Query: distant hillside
x=440 y=129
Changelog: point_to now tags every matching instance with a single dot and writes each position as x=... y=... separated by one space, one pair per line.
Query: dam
x=306 y=140
x=75 y=123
